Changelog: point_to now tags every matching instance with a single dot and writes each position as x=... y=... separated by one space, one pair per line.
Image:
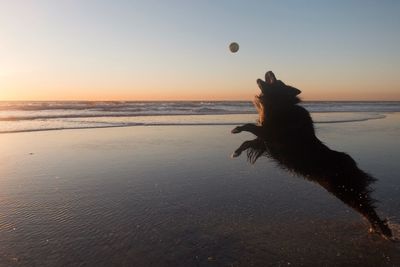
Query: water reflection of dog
x=285 y=132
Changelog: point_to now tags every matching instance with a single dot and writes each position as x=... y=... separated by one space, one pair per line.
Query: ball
x=234 y=47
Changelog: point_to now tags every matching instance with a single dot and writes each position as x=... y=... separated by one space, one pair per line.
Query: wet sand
x=171 y=196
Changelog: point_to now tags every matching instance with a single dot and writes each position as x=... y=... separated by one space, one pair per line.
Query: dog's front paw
x=235 y=154
x=236 y=130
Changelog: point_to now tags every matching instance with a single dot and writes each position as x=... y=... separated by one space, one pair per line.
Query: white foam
x=34 y=116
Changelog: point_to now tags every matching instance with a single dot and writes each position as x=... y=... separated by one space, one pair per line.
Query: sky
x=178 y=50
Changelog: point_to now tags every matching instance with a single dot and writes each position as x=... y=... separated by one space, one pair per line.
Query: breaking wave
x=41 y=116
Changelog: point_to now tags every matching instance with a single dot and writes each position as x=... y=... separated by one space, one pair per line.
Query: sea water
x=169 y=195
x=57 y=115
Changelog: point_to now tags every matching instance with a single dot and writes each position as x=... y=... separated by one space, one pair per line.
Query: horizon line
x=194 y=100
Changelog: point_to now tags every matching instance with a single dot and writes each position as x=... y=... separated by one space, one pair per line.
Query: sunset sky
x=178 y=50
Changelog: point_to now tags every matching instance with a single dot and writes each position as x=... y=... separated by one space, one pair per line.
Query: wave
x=58 y=115
x=125 y=114
x=14 y=111
x=344 y=117
x=156 y=121
x=127 y=105
x=352 y=106
x=116 y=105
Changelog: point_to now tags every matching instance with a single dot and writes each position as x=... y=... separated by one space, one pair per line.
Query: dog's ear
x=269 y=83
x=293 y=91
x=270 y=77
x=262 y=85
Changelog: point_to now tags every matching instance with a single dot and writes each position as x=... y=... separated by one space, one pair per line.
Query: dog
x=285 y=132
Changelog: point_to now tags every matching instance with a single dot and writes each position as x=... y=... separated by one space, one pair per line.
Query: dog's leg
x=249 y=127
x=364 y=204
x=255 y=148
x=377 y=225
x=246 y=145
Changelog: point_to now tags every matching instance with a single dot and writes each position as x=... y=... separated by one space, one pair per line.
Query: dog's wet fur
x=285 y=133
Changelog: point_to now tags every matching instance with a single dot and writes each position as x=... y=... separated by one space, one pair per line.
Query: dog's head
x=275 y=92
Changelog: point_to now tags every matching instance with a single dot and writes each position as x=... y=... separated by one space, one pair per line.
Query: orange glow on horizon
x=153 y=95
x=53 y=90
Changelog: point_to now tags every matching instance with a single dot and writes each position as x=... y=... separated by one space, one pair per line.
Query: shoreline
x=371 y=116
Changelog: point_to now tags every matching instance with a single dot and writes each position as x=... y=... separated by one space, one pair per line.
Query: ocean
x=165 y=192
x=58 y=115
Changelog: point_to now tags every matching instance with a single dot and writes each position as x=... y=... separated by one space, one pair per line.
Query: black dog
x=285 y=132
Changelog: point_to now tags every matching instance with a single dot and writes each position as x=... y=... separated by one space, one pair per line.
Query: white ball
x=234 y=47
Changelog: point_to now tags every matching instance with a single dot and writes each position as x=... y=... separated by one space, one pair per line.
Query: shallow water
x=171 y=196
x=56 y=115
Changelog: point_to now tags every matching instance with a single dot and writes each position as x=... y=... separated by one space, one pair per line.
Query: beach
x=199 y=133
x=170 y=195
